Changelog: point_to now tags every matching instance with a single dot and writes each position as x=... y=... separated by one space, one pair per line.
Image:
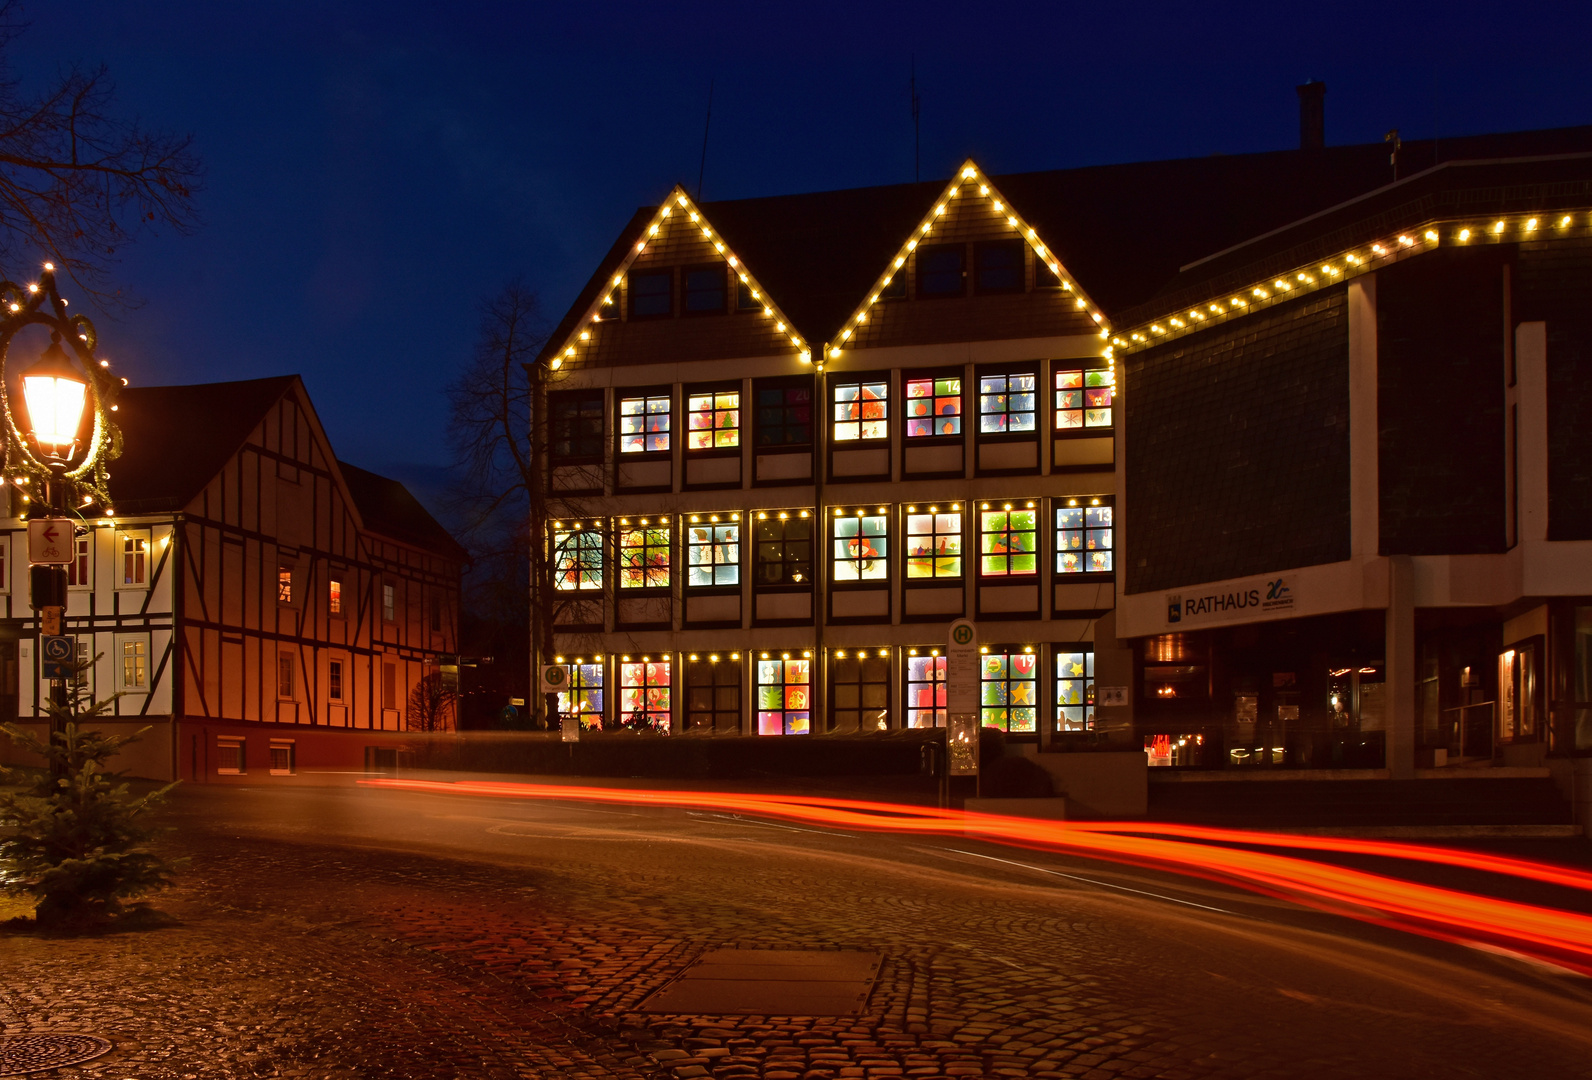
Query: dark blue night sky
x=374 y=169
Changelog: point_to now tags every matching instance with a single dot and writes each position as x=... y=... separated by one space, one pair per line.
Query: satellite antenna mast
x=912 y=85
x=703 y=167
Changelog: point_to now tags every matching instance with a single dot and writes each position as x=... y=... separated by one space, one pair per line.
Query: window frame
x=833 y=559
x=82 y=553
x=1009 y=652
x=934 y=376
x=919 y=275
x=685 y=290
x=715 y=666
x=860 y=379
x=786 y=685
x=337 y=680
x=646 y=395
x=983 y=246
x=713 y=523
x=140 y=556
x=585 y=447
x=649 y=547
x=578 y=684
x=578 y=565
x=1008 y=371
x=230 y=742
x=1034 y=506
x=1060 y=368
x=787 y=582
x=647 y=687
x=630 y=295
x=287 y=746
x=1060 y=504
x=284 y=583
x=286 y=675
x=714 y=389
x=865 y=663
x=334 y=596
x=389 y=603
x=782 y=384
x=937 y=579
x=120 y=643
x=940 y=709
x=1090 y=723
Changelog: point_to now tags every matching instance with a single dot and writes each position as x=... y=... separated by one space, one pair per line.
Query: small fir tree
x=72 y=836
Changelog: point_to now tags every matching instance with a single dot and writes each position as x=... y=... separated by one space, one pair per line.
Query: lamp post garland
x=41 y=304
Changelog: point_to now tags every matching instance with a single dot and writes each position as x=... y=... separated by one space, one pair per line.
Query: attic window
x=999 y=266
x=652 y=295
x=704 y=290
x=942 y=270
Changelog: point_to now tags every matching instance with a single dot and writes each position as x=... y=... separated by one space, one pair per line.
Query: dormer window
x=704 y=290
x=942 y=270
x=999 y=267
x=652 y=294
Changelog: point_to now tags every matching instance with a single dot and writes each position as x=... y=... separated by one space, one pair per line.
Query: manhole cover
x=784 y=982
x=32 y=1053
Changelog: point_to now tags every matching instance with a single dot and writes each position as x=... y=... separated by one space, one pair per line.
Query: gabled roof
x=1123 y=230
x=388 y=508
x=175 y=439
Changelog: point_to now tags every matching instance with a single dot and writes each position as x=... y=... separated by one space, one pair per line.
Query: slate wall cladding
x=1440 y=402
x=1238 y=448
x=1553 y=284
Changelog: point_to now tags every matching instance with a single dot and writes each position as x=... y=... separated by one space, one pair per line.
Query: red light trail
x=1549 y=935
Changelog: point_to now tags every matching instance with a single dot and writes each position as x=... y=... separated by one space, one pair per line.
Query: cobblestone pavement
x=347 y=933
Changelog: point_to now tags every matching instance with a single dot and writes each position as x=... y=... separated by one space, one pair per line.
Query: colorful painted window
x=713 y=550
x=644 y=553
x=934 y=544
x=784 y=696
x=577 y=560
x=925 y=701
x=859 y=690
x=644 y=424
x=334 y=596
x=713 y=694
x=584 y=698
x=644 y=695
x=1006 y=403
x=1083 y=399
x=715 y=420
x=1009 y=690
x=860 y=546
x=784 y=554
x=1008 y=540
x=861 y=411
x=1083 y=538
x=784 y=414
x=934 y=407
x=1075 y=691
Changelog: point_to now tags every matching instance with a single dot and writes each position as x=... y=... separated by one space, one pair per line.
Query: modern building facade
x=265 y=608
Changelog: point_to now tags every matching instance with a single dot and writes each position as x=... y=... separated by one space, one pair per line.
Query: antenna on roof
x=917 y=101
x=703 y=167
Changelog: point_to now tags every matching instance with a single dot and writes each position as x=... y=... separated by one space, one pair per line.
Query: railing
x=1470 y=729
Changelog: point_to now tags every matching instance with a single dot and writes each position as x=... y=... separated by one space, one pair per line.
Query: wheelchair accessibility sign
x=57 y=653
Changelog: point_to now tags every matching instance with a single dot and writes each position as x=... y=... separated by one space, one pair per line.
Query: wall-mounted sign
x=1111 y=695
x=1260 y=598
x=555 y=678
x=961 y=668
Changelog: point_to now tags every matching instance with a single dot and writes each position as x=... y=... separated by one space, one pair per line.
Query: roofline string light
x=1360 y=259
x=678 y=201
x=968 y=179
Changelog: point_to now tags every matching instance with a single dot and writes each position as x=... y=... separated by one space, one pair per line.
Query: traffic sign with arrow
x=50 y=541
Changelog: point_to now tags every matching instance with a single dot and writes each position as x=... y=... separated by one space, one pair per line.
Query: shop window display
x=577 y=560
x=925 y=698
x=1009 y=690
x=1008 y=540
x=584 y=698
x=644 y=554
x=1084 y=538
x=860 y=547
x=1075 y=690
x=713 y=550
x=644 y=424
x=861 y=411
x=934 y=544
x=644 y=703
x=714 y=421
x=1083 y=399
x=1006 y=403
x=784 y=696
x=934 y=407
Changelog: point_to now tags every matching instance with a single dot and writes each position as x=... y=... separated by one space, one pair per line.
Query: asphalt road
x=348 y=932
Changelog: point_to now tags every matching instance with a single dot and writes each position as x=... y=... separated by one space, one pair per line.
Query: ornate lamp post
x=47 y=455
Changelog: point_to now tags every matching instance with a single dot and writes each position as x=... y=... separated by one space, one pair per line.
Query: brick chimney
x=1312 y=115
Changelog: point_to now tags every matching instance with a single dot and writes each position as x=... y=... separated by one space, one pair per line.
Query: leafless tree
x=433 y=704
x=79 y=181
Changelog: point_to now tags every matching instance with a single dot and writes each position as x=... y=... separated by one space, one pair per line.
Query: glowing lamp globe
x=55 y=394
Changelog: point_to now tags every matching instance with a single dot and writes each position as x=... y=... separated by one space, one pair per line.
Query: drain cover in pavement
x=782 y=982
x=21 y=1054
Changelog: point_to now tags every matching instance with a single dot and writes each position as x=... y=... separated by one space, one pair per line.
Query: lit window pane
x=925 y=698
x=577 y=561
x=644 y=556
x=1009 y=691
x=1006 y=403
x=861 y=411
x=934 y=545
x=643 y=424
x=934 y=407
x=1084 y=539
x=713 y=554
x=644 y=703
x=1075 y=691
x=584 y=698
x=714 y=421
x=784 y=697
x=860 y=548
x=1008 y=542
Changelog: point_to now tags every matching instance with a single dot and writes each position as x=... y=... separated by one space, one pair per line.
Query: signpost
x=961 y=699
x=50 y=541
x=56 y=653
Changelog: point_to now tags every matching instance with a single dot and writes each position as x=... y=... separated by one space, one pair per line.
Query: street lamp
x=55 y=394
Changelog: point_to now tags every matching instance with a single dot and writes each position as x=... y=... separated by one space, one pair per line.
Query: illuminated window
x=284 y=584
x=861 y=411
x=925 y=700
x=714 y=419
x=713 y=695
x=860 y=547
x=77 y=571
x=998 y=266
x=784 y=553
x=713 y=550
x=704 y=290
x=934 y=407
x=389 y=603
x=644 y=695
x=1083 y=537
x=644 y=553
x=1006 y=403
x=942 y=270
x=584 y=698
x=652 y=294
x=577 y=560
x=135 y=560
x=859 y=690
x=644 y=424
x=1009 y=690
x=784 y=696
x=1008 y=540
x=575 y=425
x=334 y=596
x=134 y=673
x=1083 y=399
x=934 y=545
x=784 y=412
x=1075 y=690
